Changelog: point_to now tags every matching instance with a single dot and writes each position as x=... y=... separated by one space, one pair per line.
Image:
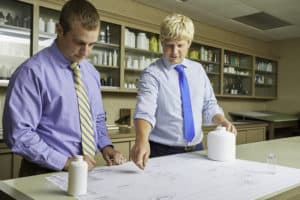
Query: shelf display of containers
x=105 y=55
x=141 y=49
x=265 y=77
x=238 y=69
x=15 y=36
x=210 y=58
x=47 y=30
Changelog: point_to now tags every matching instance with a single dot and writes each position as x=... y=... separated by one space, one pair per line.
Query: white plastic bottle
x=41 y=25
x=78 y=173
x=51 y=26
x=115 y=58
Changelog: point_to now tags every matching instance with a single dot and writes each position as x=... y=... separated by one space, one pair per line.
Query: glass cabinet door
x=210 y=58
x=105 y=55
x=15 y=36
x=238 y=69
x=265 y=77
x=47 y=21
x=141 y=49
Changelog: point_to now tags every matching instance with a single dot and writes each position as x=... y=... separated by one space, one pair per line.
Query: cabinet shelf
x=264 y=85
x=239 y=75
x=4 y=83
x=142 y=51
x=46 y=36
x=238 y=67
x=15 y=31
x=106 y=67
x=133 y=70
x=107 y=45
x=265 y=72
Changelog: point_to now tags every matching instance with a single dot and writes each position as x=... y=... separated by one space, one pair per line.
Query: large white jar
x=221 y=145
x=141 y=40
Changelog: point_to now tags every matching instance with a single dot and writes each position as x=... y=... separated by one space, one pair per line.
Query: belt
x=185 y=148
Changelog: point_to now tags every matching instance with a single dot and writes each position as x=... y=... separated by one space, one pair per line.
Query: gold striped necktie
x=87 y=132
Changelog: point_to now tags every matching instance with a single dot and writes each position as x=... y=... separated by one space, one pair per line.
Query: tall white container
x=78 y=173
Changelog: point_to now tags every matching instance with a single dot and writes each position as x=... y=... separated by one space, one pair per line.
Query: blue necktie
x=188 y=121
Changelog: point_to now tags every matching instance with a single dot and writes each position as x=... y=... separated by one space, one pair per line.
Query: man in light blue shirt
x=41 y=118
x=158 y=116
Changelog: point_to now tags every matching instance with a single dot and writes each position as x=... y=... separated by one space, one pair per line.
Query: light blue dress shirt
x=41 y=118
x=159 y=101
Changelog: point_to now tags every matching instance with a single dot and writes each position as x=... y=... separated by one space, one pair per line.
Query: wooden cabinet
x=125 y=49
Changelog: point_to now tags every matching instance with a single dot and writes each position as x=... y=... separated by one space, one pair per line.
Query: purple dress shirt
x=41 y=117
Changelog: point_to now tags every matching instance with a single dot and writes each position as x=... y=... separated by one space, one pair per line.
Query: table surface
x=286 y=149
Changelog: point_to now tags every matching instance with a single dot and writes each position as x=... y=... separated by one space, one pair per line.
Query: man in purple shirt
x=41 y=117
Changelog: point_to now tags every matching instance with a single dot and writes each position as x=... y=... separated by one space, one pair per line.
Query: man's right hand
x=140 y=153
x=90 y=161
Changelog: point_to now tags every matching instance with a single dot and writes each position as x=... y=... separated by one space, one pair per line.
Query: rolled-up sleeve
x=210 y=105
x=147 y=98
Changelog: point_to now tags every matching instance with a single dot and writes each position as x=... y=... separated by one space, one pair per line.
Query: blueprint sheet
x=185 y=177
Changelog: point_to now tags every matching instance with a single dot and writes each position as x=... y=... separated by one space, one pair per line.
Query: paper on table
x=185 y=176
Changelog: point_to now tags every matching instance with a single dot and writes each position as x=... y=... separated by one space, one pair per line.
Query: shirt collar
x=172 y=66
x=58 y=54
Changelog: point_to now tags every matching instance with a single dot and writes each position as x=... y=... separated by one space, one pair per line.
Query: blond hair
x=178 y=27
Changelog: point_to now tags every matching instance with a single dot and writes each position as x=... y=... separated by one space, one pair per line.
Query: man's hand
x=140 y=153
x=112 y=157
x=90 y=161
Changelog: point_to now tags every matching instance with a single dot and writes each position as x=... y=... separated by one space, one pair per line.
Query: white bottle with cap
x=51 y=26
x=78 y=173
x=41 y=25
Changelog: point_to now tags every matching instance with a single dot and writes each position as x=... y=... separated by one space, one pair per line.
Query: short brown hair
x=80 y=10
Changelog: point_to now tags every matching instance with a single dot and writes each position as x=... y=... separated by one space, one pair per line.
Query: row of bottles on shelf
x=264 y=66
x=230 y=59
x=131 y=84
x=105 y=35
x=138 y=62
x=20 y=21
x=105 y=57
x=209 y=68
x=107 y=81
x=48 y=27
x=232 y=70
x=234 y=86
x=261 y=79
x=141 y=41
x=204 y=54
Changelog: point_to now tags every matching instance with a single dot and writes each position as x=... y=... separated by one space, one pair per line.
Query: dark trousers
x=163 y=150
x=29 y=169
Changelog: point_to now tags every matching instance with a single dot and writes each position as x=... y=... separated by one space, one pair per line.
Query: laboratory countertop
x=287 y=151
